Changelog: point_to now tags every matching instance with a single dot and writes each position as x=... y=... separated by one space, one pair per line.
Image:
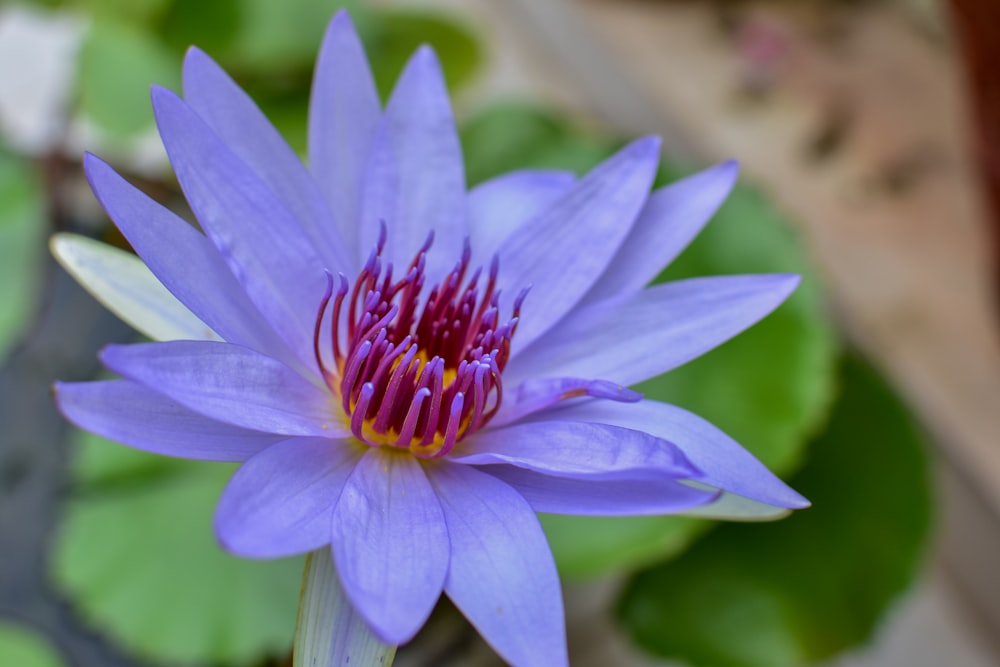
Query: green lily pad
x=280 y=36
x=801 y=590
x=212 y=26
x=118 y=63
x=137 y=555
x=770 y=388
x=22 y=247
x=391 y=37
x=23 y=648
x=511 y=135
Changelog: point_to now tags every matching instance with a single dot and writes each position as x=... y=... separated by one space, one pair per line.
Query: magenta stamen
x=392 y=385
x=324 y=302
x=437 y=389
x=350 y=376
x=361 y=409
x=454 y=418
x=410 y=424
x=420 y=373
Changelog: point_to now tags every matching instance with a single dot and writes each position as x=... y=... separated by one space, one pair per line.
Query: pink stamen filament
x=412 y=374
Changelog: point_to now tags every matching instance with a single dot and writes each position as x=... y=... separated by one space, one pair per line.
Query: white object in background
x=37 y=69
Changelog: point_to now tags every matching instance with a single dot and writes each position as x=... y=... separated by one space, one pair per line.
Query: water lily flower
x=409 y=371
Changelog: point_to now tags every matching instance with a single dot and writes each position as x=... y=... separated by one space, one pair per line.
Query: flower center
x=413 y=371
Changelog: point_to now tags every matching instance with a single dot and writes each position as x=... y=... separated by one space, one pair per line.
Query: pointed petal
x=577 y=449
x=538 y=394
x=658 y=329
x=230 y=383
x=137 y=416
x=672 y=217
x=184 y=260
x=127 y=287
x=502 y=575
x=590 y=497
x=247 y=132
x=503 y=204
x=415 y=180
x=280 y=501
x=561 y=253
x=390 y=543
x=725 y=465
x=255 y=234
x=343 y=112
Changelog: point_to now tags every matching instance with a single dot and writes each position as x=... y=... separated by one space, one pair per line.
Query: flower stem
x=329 y=632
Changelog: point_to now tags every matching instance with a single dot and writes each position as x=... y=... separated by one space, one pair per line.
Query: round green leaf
x=272 y=37
x=801 y=590
x=118 y=63
x=22 y=233
x=138 y=556
x=393 y=35
x=25 y=649
x=212 y=26
x=510 y=136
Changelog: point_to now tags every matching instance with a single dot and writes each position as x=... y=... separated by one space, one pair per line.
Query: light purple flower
x=409 y=371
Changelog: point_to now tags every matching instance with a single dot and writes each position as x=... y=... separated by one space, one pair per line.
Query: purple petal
x=279 y=502
x=589 y=497
x=232 y=384
x=343 y=112
x=415 y=180
x=658 y=329
x=390 y=543
x=538 y=394
x=672 y=217
x=577 y=449
x=183 y=260
x=563 y=251
x=724 y=464
x=137 y=416
x=256 y=235
x=501 y=205
x=502 y=574
x=228 y=110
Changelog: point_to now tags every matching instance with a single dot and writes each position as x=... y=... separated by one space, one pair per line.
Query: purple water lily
x=409 y=371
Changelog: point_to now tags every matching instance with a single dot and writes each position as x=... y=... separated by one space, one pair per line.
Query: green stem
x=329 y=632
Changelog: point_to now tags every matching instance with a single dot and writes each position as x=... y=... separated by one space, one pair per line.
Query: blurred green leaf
x=22 y=247
x=138 y=555
x=591 y=546
x=770 y=387
x=393 y=35
x=118 y=63
x=275 y=36
x=26 y=649
x=803 y=589
x=127 y=11
x=212 y=26
x=510 y=136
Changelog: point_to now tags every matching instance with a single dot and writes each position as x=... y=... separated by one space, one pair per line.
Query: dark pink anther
x=415 y=370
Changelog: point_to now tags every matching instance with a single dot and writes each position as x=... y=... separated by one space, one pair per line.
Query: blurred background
x=867 y=134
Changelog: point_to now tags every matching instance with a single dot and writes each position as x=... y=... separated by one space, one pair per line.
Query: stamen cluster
x=414 y=372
